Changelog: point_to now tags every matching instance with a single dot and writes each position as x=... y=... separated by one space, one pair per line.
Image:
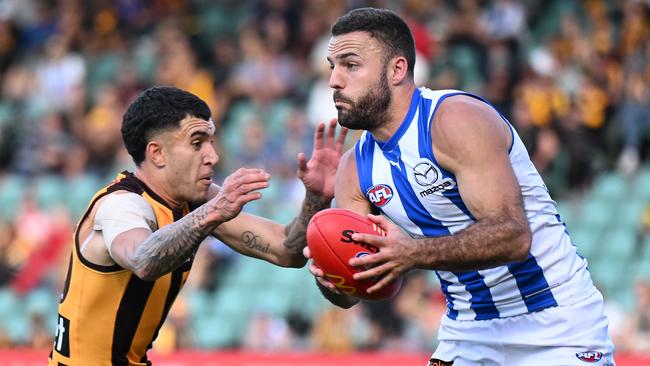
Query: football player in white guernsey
x=459 y=196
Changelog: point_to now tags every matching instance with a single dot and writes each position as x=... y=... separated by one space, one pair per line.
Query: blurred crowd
x=573 y=76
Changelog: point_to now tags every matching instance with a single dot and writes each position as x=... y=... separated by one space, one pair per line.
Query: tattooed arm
x=160 y=252
x=261 y=238
x=150 y=255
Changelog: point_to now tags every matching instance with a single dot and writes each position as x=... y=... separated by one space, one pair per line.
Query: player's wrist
x=341 y=300
x=318 y=199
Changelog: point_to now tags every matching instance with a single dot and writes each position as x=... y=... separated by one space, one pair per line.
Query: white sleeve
x=120 y=212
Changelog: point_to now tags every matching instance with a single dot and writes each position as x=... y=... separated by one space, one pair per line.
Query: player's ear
x=154 y=152
x=397 y=69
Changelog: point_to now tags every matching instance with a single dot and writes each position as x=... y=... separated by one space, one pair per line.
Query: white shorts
x=557 y=336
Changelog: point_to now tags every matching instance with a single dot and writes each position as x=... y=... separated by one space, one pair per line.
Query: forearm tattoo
x=253 y=242
x=167 y=248
x=297 y=229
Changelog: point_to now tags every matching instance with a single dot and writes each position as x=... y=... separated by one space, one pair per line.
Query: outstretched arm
x=150 y=255
x=319 y=177
x=282 y=245
x=348 y=196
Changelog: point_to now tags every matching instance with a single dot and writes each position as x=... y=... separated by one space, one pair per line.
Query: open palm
x=319 y=173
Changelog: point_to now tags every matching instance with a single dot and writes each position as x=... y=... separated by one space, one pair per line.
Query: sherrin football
x=329 y=238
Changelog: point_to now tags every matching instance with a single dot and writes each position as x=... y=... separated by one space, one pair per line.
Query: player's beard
x=370 y=110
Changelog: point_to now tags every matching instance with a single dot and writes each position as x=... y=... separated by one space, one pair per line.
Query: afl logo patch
x=437 y=362
x=589 y=356
x=425 y=173
x=379 y=194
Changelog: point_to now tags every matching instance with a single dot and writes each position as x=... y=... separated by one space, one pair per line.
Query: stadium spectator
x=635 y=46
x=338 y=331
x=268 y=333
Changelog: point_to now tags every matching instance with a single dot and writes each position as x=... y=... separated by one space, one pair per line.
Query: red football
x=329 y=238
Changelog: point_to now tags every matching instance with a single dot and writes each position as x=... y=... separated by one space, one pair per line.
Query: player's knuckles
x=242 y=189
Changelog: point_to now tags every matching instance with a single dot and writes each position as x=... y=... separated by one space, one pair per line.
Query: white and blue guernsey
x=402 y=178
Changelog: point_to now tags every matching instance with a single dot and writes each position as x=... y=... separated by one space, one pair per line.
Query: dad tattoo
x=251 y=241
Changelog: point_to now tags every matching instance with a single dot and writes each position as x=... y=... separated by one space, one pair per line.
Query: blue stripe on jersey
x=566 y=230
x=364 y=168
x=481 y=301
x=532 y=284
x=444 y=285
x=412 y=205
x=424 y=130
x=426 y=151
x=559 y=219
x=413 y=107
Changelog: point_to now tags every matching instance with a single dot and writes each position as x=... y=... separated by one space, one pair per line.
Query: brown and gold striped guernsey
x=107 y=315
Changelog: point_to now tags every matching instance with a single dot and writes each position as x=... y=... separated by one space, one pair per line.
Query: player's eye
x=351 y=66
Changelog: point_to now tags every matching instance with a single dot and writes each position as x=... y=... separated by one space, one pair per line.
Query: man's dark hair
x=154 y=110
x=383 y=25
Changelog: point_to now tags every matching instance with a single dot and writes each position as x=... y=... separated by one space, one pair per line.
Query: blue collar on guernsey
x=392 y=142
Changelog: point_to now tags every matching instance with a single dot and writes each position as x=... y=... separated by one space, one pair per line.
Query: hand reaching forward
x=327 y=288
x=238 y=189
x=319 y=274
x=319 y=173
x=397 y=255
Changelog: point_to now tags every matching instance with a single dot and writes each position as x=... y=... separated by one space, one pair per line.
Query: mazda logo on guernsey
x=425 y=174
x=379 y=194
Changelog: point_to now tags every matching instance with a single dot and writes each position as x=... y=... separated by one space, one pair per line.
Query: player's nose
x=211 y=157
x=336 y=79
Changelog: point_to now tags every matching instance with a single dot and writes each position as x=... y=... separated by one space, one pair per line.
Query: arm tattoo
x=251 y=242
x=167 y=248
x=296 y=230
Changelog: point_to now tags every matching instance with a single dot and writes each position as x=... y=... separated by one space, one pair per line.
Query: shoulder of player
x=347 y=191
x=116 y=202
x=463 y=111
x=120 y=194
x=461 y=119
x=348 y=165
x=349 y=157
x=346 y=174
x=120 y=200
